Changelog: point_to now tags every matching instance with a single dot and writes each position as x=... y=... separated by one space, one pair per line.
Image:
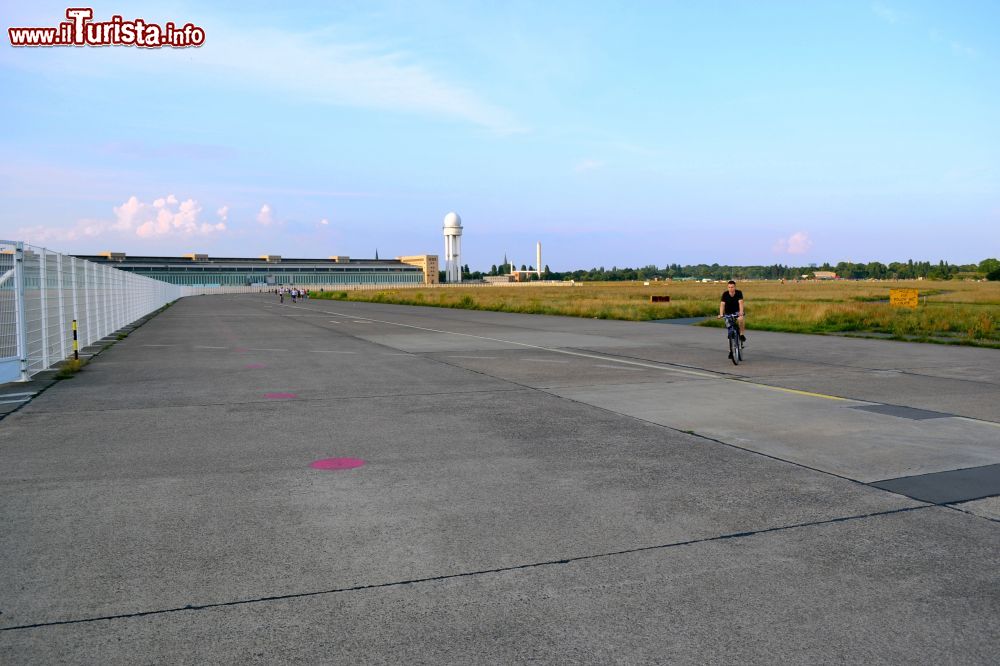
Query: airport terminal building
x=200 y=270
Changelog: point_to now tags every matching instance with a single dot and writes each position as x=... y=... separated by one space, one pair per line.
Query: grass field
x=949 y=312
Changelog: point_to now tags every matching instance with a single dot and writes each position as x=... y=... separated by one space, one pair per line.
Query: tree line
x=897 y=270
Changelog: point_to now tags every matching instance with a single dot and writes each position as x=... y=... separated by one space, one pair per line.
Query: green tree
x=987 y=266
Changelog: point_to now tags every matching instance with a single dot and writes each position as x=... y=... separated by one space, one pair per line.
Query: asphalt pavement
x=244 y=481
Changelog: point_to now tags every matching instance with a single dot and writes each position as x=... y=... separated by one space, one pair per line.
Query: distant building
x=428 y=263
x=824 y=275
x=200 y=270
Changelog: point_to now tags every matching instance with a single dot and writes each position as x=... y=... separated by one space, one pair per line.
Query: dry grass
x=952 y=312
x=972 y=324
x=70 y=367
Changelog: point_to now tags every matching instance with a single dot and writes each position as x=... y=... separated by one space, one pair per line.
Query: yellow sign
x=903 y=298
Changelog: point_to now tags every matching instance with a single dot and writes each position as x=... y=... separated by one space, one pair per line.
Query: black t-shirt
x=732 y=302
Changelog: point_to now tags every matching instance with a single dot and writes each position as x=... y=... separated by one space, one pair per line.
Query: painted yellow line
x=797 y=392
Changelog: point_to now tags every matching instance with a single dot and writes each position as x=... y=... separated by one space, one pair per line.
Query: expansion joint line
x=467 y=574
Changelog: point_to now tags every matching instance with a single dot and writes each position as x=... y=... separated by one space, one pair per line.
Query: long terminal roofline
x=187 y=260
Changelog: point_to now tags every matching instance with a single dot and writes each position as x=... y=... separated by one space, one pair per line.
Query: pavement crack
x=464 y=574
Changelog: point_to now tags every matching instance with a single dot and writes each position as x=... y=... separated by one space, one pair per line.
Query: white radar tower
x=453 y=247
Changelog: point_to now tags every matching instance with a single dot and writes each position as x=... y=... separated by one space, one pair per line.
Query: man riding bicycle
x=732 y=303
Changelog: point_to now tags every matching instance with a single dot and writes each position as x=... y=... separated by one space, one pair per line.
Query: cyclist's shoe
x=743 y=338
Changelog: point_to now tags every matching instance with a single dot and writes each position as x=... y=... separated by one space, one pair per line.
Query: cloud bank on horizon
x=734 y=133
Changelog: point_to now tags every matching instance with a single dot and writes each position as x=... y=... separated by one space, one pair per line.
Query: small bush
x=70 y=368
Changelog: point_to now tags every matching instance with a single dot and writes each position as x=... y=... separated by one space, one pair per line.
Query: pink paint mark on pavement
x=255 y=366
x=281 y=396
x=241 y=350
x=337 y=463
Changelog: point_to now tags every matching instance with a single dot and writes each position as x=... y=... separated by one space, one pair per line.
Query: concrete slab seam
x=958 y=507
x=468 y=574
x=734 y=446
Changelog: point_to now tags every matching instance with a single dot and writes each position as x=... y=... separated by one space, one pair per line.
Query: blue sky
x=614 y=133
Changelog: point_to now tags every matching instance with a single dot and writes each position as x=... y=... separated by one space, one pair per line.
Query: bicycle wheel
x=734 y=347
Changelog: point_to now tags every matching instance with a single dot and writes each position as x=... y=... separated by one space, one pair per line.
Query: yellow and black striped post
x=76 y=348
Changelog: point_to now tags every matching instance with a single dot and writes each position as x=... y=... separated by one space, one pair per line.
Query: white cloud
x=223 y=213
x=164 y=217
x=797 y=243
x=266 y=215
x=324 y=222
x=588 y=165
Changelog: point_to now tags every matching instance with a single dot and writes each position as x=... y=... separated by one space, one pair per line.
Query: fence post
x=122 y=287
x=88 y=317
x=62 y=309
x=119 y=293
x=20 y=316
x=76 y=310
x=43 y=288
x=102 y=304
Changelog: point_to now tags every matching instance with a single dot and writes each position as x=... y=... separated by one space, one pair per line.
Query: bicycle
x=733 y=334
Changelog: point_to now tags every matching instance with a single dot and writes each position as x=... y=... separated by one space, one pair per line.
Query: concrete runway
x=534 y=489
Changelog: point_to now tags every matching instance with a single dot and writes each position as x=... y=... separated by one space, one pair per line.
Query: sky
x=616 y=134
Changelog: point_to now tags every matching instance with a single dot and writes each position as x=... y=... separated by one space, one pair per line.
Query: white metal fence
x=43 y=292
